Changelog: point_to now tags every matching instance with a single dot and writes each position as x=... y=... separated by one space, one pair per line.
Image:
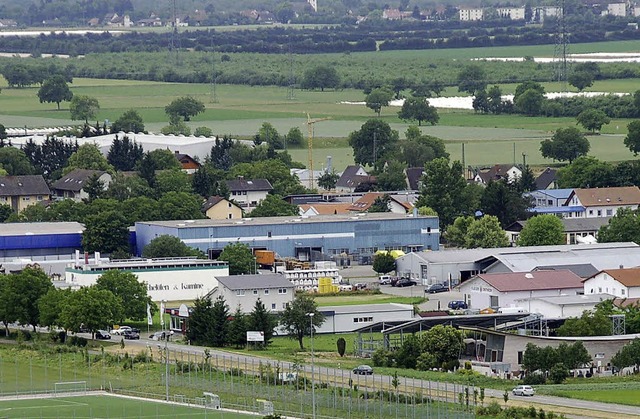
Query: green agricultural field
x=622 y=396
x=106 y=407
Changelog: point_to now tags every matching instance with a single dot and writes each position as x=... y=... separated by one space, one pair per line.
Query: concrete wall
x=346 y=322
x=554 y=311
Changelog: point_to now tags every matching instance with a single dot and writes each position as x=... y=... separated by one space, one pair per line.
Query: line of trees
x=29 y=298
x=553 y=363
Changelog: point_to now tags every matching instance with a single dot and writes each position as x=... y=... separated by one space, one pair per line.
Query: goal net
x=70 y=387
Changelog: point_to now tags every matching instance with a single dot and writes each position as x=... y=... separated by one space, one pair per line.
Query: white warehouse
x=170 y=279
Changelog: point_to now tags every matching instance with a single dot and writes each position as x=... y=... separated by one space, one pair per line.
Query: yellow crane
x=310 y=123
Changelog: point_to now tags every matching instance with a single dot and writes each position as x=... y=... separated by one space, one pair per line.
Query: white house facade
x=342 y=319
x=503 y=290
x=471 y=14
x=243 y=291
x=603 y=202
x=621 y=283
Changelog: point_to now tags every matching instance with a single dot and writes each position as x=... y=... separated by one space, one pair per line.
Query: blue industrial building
x=39 y=239
x=344 y=238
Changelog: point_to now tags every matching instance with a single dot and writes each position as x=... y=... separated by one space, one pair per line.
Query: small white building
x=622 y=283
x=512 y=13
x=469 y=14
x=170 y=279
x=342 y=319
x=615 y=9
x=248 y=193
x=275 y=292
x=602 y=202
x=562 y=306
x=502 y=290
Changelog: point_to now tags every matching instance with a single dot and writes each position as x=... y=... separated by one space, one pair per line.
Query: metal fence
x=243 y=383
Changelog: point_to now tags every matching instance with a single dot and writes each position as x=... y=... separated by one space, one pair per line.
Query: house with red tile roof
x=602 y=202
x=364 y=203
x=500 y=290
x=622 y=282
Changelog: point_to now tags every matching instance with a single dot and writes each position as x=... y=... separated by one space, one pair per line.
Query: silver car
x=523 y=391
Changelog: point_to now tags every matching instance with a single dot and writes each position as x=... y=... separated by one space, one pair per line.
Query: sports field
x=107 y=406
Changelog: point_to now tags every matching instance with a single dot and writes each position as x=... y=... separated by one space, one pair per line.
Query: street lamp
x=313 y=385
x=166 y=354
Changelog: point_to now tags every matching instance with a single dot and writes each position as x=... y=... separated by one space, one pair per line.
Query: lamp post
x=313 y=384
x=166 y=355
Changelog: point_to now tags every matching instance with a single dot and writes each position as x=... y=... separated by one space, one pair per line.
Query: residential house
x=248 y=193
x=414 y=177
x=540 y=13
x=71 y=185
x=19 y=192
x=274 y=290
x=153 y=20
x=471 y=13
x=325 y=208
x=502 y=290
x=512 y=13
x=548 y=179
x=548 y=198
x=509 y=172
x=188 y=163
x=8 y=23
x=622 y=282
x=218 y=208
x=395 y=205
x=615 y=9
x=577 y=230
x=396 y=14
x=351 y=178
x=602 y=202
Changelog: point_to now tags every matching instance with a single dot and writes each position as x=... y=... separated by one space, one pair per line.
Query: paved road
x=574 y=408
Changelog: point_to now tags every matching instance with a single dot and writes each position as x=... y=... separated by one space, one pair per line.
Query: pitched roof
x=583 y=270
x=546 y=178
x=414 y=174
x=497 y=172
x=530 y=281
x=246 y=282
x=23 y=185
x=185 y=158
x=75 y=180
x=570 y=225
x=327 y=208
x=213 y=201
x=629 y=277
x=352 y=176
x=365 y=202
x=242 y=184
x=594 y=197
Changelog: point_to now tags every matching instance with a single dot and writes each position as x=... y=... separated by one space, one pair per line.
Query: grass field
x=106 y=407
x=336 y=300
x=622 y=396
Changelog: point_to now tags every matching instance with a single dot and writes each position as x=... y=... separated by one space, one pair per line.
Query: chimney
x=329 y=164
x=86 y=258
x=97 y=257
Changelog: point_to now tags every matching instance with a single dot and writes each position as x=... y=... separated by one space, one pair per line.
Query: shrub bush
x=78 y=341
x=534 y=379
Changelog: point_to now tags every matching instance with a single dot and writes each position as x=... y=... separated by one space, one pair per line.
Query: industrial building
x=170 y=279
x=345 y=319
x=344 y=238
x=455 y=266
x=39 y=240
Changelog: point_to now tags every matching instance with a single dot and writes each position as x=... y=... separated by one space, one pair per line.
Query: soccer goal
x=211 y=401
x=63 y=387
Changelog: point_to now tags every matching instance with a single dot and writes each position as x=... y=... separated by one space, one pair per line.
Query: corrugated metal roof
x=532 y=281
x=29 y=229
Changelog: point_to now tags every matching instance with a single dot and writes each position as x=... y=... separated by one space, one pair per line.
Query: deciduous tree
x=320 y=77
x=92 y=308
x=274 y=206
x=384 y=263
x=593 y=119
x=632 y=140
x=542 y=230
x=485 y=232
x=378 y=98
x=129 y=121
x=503 y=200
x=373 y=141
x=328 y=180
x=442 y=187
x=88 y=156
x=185 y=107
x=393 y=177
x=56 y=90
x=106 y=232
x=296 y=321
x=131 y=292
x=84 y=108
x=624 y=226
x=166 y=246
x=566 y=144
x=241 y=260
x=472 y=79
x=15 y=162
x=418 y=109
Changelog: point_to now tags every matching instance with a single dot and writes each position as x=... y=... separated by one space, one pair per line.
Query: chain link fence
x=240 y=382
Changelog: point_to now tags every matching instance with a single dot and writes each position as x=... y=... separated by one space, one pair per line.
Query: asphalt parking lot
x=365 y=274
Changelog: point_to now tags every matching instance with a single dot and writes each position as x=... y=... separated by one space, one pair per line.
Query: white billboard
x=255 y=336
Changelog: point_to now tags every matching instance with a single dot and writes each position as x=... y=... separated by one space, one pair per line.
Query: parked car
x=363 y=370
x=385 y=279
x=120 y=330
x=130 y=334
x=360 y=286
x=435 y=288
x=405 y=282
x=102 y=334
x=523 y=391
x=458 y=305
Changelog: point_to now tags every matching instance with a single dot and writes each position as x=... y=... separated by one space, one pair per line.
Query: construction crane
x=310 y=123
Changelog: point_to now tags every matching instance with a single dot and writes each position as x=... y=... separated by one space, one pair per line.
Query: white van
x=511 y=310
